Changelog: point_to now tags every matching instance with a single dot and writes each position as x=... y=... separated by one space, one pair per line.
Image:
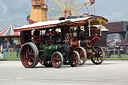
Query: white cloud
x=10 y=18
x=5 y=8
x=6 y=20
x=3 y=20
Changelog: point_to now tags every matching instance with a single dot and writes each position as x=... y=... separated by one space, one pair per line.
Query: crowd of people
x=6 y=47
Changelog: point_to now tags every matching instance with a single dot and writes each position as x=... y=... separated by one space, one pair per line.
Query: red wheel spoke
x=75 y=62
x=32 y=58
x=74 y=55
x=32 y=54
x=57 y=56
x=81 y=54
x=98 y=55
x=56 y=60
x=75 y=58
x=29 y=60
x=97 y=59
x=28 y=55
x=31 y=51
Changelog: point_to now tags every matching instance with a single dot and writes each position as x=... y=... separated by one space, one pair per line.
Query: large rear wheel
x=29 y=55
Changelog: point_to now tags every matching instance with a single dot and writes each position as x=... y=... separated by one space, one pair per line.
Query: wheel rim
x=73 y=59
x=56 y=60
x=82 y=56
x=27 y=56
x=97 y=56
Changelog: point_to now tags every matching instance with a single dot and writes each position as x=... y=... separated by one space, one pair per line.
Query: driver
x=36 y=34
x=79 y=33
x=36 y=37
x=53 y=34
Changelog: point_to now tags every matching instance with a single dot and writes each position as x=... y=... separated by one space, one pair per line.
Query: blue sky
x=14 y=12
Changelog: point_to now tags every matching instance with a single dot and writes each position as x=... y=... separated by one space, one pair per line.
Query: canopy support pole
x=100 y=28
x=89 y=29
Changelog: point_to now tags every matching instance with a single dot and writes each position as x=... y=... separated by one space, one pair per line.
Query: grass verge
x=116 y=57
x=14 y=58
x=10 y=58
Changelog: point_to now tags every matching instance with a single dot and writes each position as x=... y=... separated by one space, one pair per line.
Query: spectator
x=1 y=55
x=4 y=49
x=17 y=48
x=9 y=49
x=1 y=48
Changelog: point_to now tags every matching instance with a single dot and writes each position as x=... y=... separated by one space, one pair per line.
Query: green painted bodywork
x=41 y=45
x=51 y=47
x=48 y=49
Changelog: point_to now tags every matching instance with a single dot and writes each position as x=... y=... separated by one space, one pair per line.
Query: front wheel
x=29 y=55
x=74 y=59
x=97 y=57
x=57 y=59
x=83 y=55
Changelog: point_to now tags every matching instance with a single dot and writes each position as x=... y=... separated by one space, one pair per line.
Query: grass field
x=14 y=58
x=10 y=58
x=116 y=57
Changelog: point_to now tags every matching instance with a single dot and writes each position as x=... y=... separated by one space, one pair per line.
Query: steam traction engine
x=86 y=34
x=49 y=49
x=59 y=42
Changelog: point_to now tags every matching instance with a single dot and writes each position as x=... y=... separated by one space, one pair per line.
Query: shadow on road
x=85 y=65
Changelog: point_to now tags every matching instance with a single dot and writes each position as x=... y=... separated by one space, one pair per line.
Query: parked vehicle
x=116 y=42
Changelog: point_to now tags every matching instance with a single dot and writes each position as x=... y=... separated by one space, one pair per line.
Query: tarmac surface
x=108 y=73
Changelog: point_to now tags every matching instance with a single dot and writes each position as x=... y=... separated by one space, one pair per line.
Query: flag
x=92 y=2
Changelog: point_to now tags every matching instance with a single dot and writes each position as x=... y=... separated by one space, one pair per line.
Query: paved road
x=108 y=73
